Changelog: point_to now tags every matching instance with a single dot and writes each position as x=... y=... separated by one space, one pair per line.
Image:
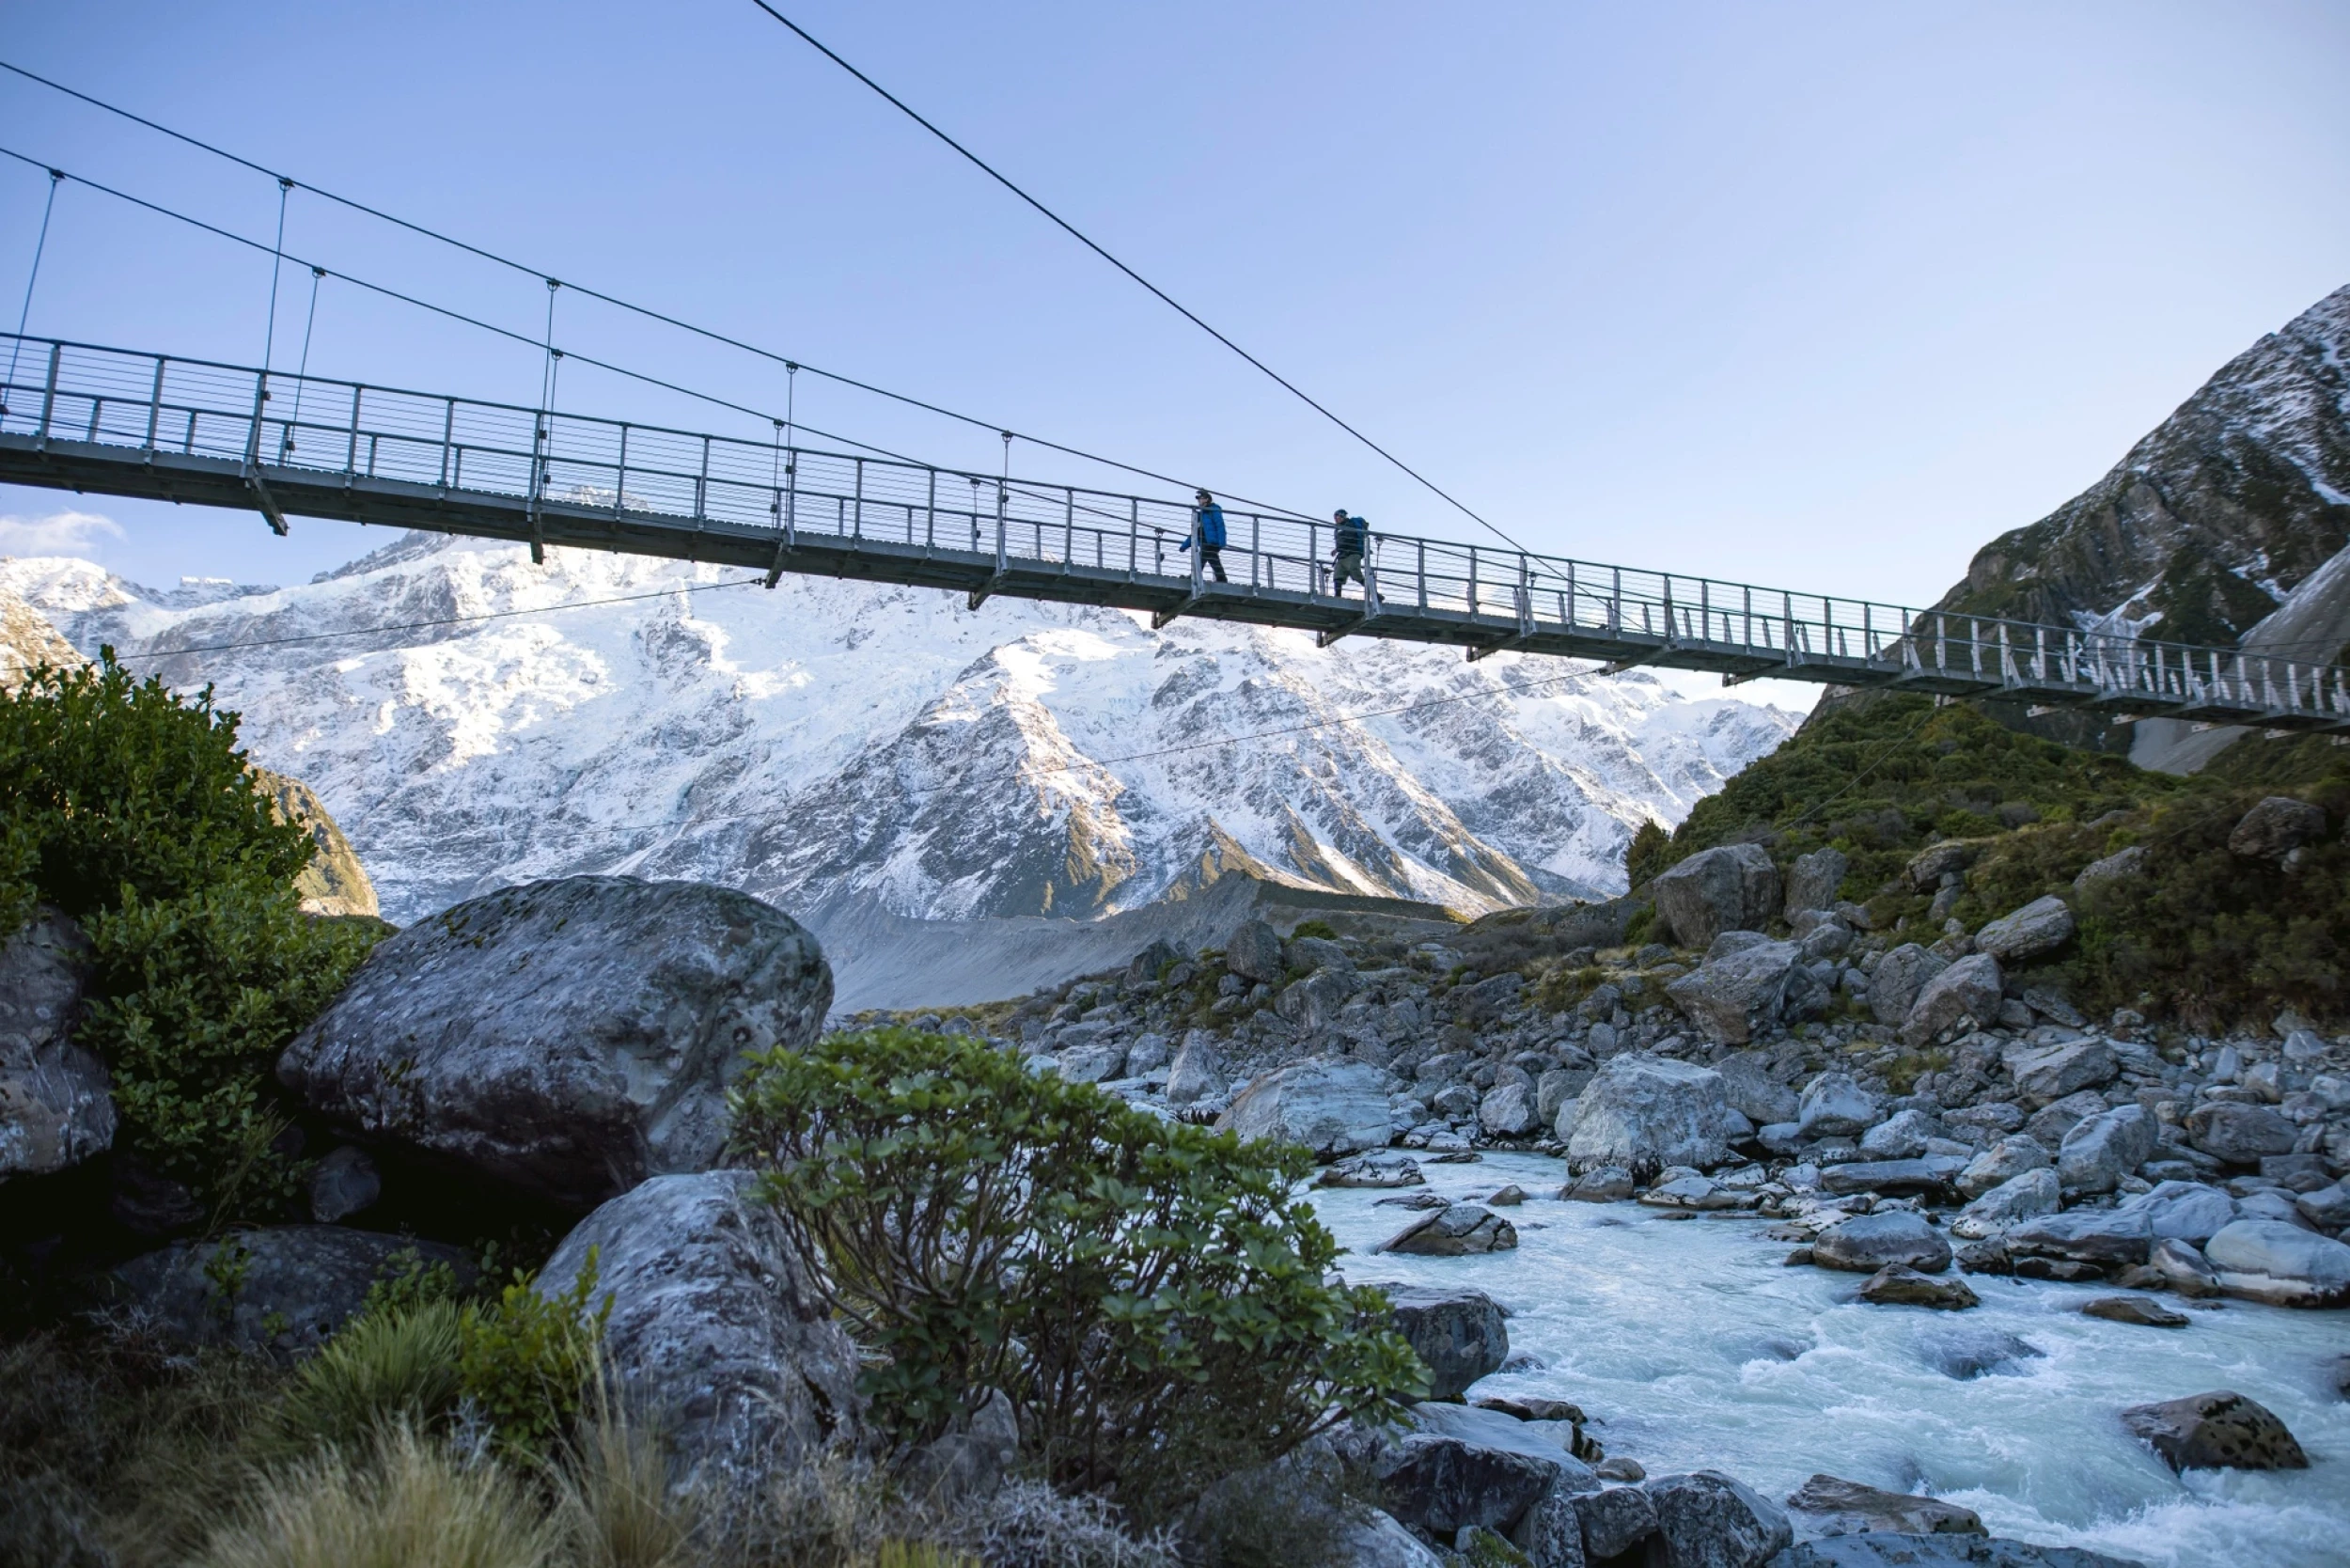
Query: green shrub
x=1323 y=929
x=1149 y=1295
x=131 y=809
x=526 y=1361
x=1645 y=856
x=383 y=1365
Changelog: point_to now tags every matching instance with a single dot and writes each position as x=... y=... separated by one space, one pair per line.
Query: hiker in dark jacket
x=1207 y=531
x=1353 y=534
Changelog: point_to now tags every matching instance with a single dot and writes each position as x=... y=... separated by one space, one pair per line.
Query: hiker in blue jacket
x=1207 y=531
x=1352 y=534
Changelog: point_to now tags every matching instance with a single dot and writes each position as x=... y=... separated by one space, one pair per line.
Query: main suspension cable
x=1180 y=308
x=648 y=312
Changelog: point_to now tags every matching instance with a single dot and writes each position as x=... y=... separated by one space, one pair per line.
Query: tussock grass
x=395 y=1365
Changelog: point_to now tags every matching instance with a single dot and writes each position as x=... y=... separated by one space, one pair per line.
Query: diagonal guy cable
x=1169 y=300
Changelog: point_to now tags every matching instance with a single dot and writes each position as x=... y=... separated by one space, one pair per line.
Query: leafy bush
x=1323 y=929
x=1149 y=1295
x=131 y=809
x=1646 y=855
x=526 y=1361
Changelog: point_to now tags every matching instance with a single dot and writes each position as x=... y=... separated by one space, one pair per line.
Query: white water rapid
x=1694 y=1347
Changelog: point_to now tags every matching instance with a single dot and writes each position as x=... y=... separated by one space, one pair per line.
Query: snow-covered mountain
x=831 y=742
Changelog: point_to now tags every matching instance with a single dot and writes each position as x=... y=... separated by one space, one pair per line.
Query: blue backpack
x=1353 y=534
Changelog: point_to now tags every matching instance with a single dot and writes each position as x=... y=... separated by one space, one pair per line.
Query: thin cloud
x=60 y=533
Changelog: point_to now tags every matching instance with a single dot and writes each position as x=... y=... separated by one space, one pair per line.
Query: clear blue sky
x=1824 y=295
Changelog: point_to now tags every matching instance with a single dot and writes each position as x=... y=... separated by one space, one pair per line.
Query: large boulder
x=2046 y=1073
x=2002 y=1163
x=2268 y=1260
x=1752 y=1091
x=1866 y=1242
x=1927 y=1173
x=567 y=1037
x=1966 y=996
x=1312 y=1004
x=1895 y=1285
x=1835 y=1106
x=2107 y=1238
x=283 y=1291
x=1458 y=1466
x=1735 y=996
x=2220 y=1430
x=2276 y=828
x=1830 y=1505
x=1330 y=1106
x=55 y=1108
x=2099 y=1152
x=2020 y=1197
x=1707 y=1520
x=1929 y=866
x=1898 y=977
x=1643 y=1110
x=716 y=1335
x=1253 y=952
x=2237 y=1134
x=1510 y=1110
x=1197 y=1071
x=1814 y=880
x=1461 y=1334
x=1731 y=887
x=2041 y=926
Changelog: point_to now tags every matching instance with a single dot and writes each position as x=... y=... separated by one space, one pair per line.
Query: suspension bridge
x=122 y=422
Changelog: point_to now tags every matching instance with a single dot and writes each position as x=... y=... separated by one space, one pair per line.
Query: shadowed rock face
x=55 y=1109
x=567 y=1038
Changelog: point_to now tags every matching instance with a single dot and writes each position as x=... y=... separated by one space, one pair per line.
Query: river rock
x=2017 y=1199
x=2139 y=1310
x=1902 y=1135
x=1927 y=1173
x=2002 y=1162
x=1829 y=1505
x=1253 y=952
x=2188 y=1211
x=2220 y=1430
x=1753 y=1093
x=1553 y=1088
x=2052 y=1121
x=2181 y=1267
x=1458 y=1466
x=1605 y=1183
x=55 y=1109
x=1707 y=1520
x=1736 y=996
x=1197 y=1073
x=1376 y=1539
x=283 y=1291
x=1866 y=1242
x=2099 y=1152
x=1814 y=879
x=1731 y=887
x=1895 y=1285
x=2044 y=1074
x=2274 y=828
x=1966 y=996
x=1641 y=1109
x=1898 y=977
x=716 y=1332
x=1460 y=1333
x=1835 y=1106
x=1372 y=1171
x=1457 y=1230
x=1330 y=1106
x=2237 y=1134
x=568 y=1038
x=1614 y=1519
x=1092 y=1063
x=1508 y=1110
x=2102 y=1238
x=2267 y=1259
x=1963 y=1353
x=2041 y=926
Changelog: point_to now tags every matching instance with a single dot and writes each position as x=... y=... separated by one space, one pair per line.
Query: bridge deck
x=124 y=423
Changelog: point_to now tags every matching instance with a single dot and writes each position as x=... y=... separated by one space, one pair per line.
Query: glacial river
x=1692 y=1347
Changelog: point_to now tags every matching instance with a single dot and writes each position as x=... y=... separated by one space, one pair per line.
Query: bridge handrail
x=551 y=457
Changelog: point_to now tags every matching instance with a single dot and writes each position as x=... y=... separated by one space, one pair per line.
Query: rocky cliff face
x=2213 y=518
x=832 y=741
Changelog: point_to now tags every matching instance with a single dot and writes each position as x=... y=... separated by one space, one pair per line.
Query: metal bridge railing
x=65 y=391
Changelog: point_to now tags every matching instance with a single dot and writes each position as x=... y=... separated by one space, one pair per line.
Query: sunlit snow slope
x=829 y=741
